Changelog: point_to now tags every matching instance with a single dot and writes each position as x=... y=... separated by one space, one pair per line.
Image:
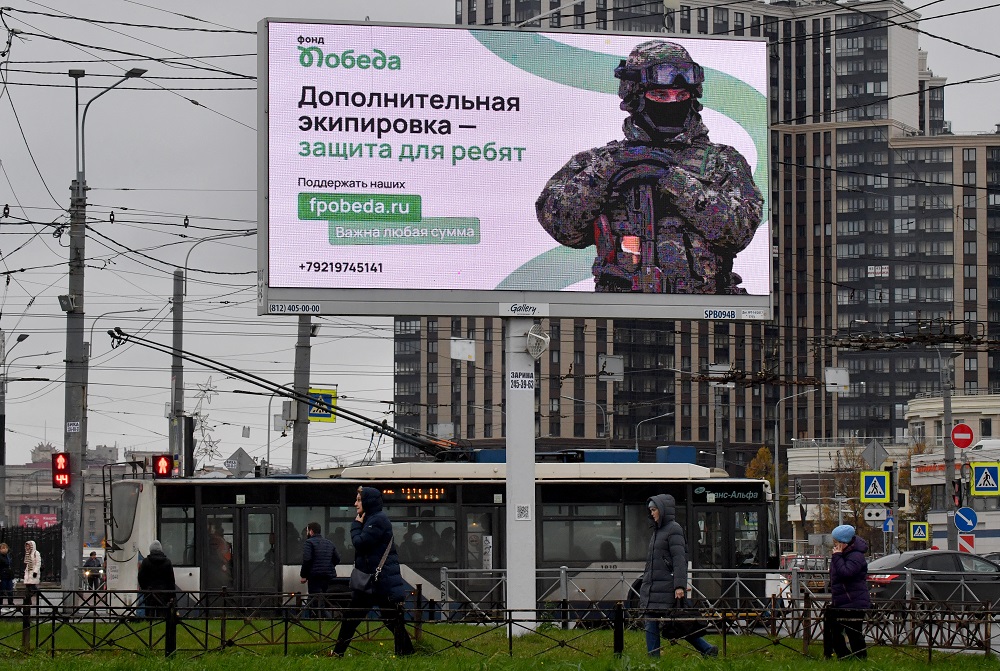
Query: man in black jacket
x=319 y=567
x=156 y=580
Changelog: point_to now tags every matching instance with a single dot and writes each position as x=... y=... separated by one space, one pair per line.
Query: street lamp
x=21 y=337
x=777 y=459
x=648 y=419
x=607 y=436
x=75 y=419
x=267 y=470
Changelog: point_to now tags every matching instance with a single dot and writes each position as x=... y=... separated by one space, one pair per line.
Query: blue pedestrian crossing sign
x=985 y=479
x=919 y=531
x=966 y=519
x=325 y=407
x=875 y=486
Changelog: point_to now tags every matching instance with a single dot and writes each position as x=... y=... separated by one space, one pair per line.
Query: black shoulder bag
x=365 y=582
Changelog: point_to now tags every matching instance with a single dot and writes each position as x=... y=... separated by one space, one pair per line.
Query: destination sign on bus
x=729 y=492
x=418 y=494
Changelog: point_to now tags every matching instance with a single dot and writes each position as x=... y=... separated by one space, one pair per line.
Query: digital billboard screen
x=442 y=170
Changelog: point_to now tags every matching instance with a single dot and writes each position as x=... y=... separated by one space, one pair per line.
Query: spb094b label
x=720 y=314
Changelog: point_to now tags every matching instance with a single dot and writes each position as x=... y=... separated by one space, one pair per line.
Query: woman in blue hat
x=848 y=596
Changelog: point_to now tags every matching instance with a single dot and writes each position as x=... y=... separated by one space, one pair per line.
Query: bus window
x=335 y=524
x=571 y=539
x=177 y=534
x=746 y=534
x=637 y=530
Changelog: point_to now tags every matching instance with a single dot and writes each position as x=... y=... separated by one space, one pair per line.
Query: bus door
x=727 y=542
x=240 y=553
x=479 y=553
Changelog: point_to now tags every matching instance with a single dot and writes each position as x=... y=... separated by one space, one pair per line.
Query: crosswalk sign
x=323 y=409
x=875 y=486
x=985 y=479
x=919 y=531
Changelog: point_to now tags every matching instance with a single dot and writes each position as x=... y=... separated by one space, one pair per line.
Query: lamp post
x=607 y=436
x=75 y=425
x=777 y=458
x=21 y=337
x=268 y=423
x=648 y=419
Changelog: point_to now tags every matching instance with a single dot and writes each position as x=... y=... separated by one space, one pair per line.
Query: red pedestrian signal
x=163 y=466
x=60 y=470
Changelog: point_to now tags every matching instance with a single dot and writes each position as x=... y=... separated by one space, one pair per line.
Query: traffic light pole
x=949 y=451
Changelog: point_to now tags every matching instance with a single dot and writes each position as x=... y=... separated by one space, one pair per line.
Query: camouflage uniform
x=668 y=212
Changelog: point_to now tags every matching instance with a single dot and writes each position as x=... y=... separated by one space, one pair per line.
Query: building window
x=969 y=154
x=969 y=178
x=969 y=247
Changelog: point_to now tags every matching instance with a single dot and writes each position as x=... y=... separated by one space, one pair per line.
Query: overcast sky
x=153 y=159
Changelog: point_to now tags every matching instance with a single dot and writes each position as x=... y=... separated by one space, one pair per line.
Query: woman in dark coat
x=156 y=580
x=371 y=533
x=849 y=596
x=665 y=579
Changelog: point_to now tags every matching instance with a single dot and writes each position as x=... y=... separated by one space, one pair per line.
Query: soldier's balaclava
x=658 y=65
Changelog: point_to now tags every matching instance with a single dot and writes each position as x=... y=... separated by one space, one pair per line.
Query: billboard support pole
x=520 y=428
x=300 y=429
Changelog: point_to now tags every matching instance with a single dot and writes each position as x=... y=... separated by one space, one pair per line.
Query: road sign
x=966 y=519
x=961 y=435
x=889 y=525
x=967 y=543
x=919 y=531
x=985 y=479
x=327 y=403
x=875 y=486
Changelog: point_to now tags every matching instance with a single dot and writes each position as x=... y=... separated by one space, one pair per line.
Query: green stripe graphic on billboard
x=380 y=207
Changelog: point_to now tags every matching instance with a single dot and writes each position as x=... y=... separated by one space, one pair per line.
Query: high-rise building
x=880 y=221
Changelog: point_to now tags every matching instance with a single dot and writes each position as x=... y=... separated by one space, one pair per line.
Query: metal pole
x=719 y=456
x=520 y=488
x=75 y=417
x=3 y=430
x=300 y=429
x=176 y=428
x=777 y=458
x=604 y=414
x=949 y=450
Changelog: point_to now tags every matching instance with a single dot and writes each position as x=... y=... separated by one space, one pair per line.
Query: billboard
x=408 y=170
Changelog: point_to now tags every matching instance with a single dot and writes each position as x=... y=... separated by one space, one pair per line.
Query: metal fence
x=584 y=615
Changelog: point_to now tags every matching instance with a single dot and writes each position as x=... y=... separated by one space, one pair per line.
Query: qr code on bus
x=523 y=513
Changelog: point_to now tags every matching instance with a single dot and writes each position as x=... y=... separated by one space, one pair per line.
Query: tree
x=761 y=467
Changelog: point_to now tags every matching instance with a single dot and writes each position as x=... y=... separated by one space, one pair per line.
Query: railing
x=742 y=611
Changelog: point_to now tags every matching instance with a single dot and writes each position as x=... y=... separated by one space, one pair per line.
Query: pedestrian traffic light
x=60 y=470
x=163 y=466
x=956 y=493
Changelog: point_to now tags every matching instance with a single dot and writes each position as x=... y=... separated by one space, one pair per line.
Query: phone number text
x=340 y=267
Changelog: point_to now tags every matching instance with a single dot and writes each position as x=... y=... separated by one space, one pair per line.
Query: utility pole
x=3 y=422
x=176 y=428
x=300 y=428
x=75 y=427
x=949 y=448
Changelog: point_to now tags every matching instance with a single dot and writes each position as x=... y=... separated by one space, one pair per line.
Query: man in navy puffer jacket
x=849 y=596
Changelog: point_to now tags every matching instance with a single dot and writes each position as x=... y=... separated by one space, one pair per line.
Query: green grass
x=258 y=648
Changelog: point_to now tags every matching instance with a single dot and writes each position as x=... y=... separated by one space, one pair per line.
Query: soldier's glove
x=639 y=164
x=688 y=191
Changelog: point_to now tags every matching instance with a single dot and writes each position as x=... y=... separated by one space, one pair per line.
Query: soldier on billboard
x=667 y=209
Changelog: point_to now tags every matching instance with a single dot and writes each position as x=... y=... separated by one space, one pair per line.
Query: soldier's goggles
x=662 y=74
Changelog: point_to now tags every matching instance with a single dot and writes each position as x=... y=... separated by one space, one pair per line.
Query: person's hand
x=679 y=593
x=360 y=518
x=303 y=581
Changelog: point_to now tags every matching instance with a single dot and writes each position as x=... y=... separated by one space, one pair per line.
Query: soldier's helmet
x=657 y=64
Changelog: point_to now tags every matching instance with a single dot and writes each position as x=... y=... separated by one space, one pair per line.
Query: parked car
x=938 y=575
